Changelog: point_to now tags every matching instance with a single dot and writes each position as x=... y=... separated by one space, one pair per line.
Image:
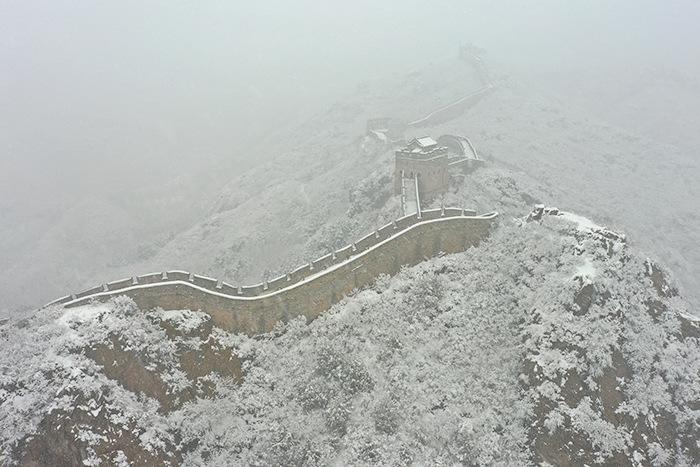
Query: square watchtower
x=423 y=158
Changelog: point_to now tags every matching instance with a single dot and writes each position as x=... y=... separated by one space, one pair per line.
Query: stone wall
x=432 y=174
x=453 y=110
x=309 y=290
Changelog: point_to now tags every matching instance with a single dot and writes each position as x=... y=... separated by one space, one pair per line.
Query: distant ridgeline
x=391 y=130
x=309 y=290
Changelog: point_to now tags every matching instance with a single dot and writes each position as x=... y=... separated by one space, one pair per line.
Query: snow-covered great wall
x=452 y=110
x=309 y=290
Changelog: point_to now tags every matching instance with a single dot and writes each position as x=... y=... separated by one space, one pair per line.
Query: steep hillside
x=550 y=342
x=326 y=186
x=632 y=181
x=94 y=233
x=321 y=186
x=555 y=341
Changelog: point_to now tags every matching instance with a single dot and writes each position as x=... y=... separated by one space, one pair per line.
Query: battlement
x=310 y=289
x=424 y=148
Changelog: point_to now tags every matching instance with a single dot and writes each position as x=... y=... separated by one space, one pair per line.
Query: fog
x=108 y=107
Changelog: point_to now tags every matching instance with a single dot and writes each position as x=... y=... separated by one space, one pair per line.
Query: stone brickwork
x=425 y=161
x=432 y=174
x=310 y=290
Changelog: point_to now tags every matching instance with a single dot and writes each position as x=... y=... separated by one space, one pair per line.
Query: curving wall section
x=453 y=110
x=310 y=289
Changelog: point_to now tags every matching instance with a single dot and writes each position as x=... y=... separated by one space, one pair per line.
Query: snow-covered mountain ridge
x=310 y=289
x=317 y=188
x=551 y=342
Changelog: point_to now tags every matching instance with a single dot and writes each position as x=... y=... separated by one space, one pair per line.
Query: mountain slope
x=550 y=342
x=321 y=186
x=541 y=148
x=634 y=182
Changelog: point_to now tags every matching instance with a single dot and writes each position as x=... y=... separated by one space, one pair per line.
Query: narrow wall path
x=309 y=290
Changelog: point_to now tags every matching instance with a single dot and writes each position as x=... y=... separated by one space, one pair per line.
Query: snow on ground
x=185 y=321
x=432 y=366
x=582 y=222
x=586 y=271
x=469 y=358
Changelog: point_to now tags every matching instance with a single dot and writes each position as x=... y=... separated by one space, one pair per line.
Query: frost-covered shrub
x=478 y=441
x=315 y=394
x=288 y=449
x=331 y=237
x=348 y=372
x=424 y=302
x=337 y=414
x=371 y=193
x=387 y=416
x=368 y=451
x=124 y=306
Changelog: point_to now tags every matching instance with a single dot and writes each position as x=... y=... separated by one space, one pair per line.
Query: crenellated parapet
x=310 y=289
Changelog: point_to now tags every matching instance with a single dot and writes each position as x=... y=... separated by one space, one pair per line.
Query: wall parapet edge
x=330 y=277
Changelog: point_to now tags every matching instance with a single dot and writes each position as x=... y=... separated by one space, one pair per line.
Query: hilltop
x=550 y=342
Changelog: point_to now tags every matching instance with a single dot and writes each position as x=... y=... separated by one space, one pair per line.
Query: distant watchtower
x=426 y=161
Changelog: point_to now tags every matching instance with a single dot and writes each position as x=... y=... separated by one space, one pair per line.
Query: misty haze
x=350 y=233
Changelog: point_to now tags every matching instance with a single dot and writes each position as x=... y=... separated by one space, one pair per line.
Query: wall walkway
x=458 y=107
x=309 y=290
x=453 y=110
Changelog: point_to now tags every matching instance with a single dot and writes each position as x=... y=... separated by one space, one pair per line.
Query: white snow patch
x=183 y=320
x=120 y=460
x=82 y=314
x=586 y=271
x=583 y=223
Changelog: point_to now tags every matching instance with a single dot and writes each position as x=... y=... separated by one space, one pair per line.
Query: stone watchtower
x=426 y=161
